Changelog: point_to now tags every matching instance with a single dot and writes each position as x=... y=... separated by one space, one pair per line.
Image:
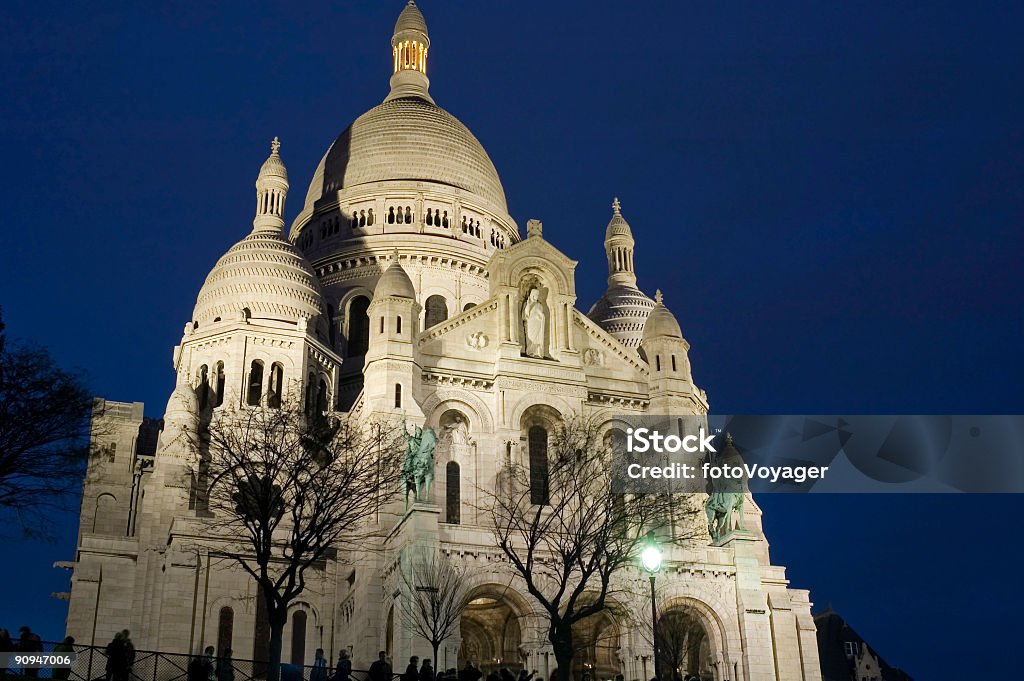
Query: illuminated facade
x=404 y=286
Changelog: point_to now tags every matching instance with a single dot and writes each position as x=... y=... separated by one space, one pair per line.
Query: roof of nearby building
x=833 y=633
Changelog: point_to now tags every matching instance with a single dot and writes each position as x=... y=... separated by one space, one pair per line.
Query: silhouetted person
x=196 y=670
x=129 y=655
x=6 y=646
x=209 y=663
x=427 y=671
x=380 y=670
x=29 y=642
x=225 y=670
x=65 y=646
x=412 y=673
x=523 y=676
x=343 y=671
x=115 y=657
x=319 y=670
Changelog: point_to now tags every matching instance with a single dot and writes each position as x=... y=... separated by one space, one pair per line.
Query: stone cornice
x=461 y=380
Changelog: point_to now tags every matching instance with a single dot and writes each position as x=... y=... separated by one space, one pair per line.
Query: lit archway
x=491 y=632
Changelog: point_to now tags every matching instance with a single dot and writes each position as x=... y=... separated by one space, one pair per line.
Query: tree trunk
x=277 y=623
x=561 y=641
x=435 y=661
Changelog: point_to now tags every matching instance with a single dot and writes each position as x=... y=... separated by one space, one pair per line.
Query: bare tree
x=568 y=547
x=287 y=491
x=44 y=434
x=435 y=594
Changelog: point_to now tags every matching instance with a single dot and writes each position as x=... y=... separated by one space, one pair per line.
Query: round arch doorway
x=683 y=644
x=491 y=633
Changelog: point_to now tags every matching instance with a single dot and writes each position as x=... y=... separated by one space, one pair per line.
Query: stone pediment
x=508 y=267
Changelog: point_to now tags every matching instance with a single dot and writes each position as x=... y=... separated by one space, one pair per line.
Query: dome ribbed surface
x=273 y=167
x=407 y=139
x=264 y=273
x=617 y=226
x=411 y=19
x=182 y=402
x=661 y=322
x=622 y=311
x=394 y=283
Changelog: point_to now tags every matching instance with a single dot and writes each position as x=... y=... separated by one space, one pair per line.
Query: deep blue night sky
x=829 y=194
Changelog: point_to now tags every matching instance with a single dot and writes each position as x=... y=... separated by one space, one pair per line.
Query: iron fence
x=149 y=665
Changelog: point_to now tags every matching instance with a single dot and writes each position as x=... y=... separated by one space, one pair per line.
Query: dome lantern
x=409 y=47
x=618 y=245
x=271 y=191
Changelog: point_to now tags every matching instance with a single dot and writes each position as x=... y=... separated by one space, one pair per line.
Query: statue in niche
x=535 y=319
x=457 y=431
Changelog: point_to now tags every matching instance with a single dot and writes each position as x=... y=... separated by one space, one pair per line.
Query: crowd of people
x=120 y=656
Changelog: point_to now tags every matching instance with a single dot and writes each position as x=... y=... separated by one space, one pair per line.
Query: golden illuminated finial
x=275 y=145
x=616 y=206
x=658 y=297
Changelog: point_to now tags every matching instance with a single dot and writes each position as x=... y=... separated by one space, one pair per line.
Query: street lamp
x=650 y=557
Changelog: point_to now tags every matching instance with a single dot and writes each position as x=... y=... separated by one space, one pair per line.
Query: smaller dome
x=622 y=312
x=394 y=283
x=183 y=402
x=274 y=166
x=617 y=226
x=411 y=19
x=661 y=322
x=263 y=276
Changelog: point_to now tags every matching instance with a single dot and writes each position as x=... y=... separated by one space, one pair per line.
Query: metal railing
x=149 y=665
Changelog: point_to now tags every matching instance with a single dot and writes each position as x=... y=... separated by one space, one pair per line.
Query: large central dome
x=407 y=138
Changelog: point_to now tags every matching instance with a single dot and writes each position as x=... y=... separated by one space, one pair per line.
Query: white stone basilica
x=405 y=287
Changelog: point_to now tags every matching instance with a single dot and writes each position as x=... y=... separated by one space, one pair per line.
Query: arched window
x=369 y=217
x=537 y=439
x=453 y=492
x=657 y=362
x=391 y=215
x=299 y=637
x=436 y=311
x=468 y=306
x=408 y=215
x=218 y=377
x=204 y=386
x=310 y=394
x=321 y=397
x=673 y=362
x=398 y=395
x=358 y=326
x=274 y=390
x=382 y=324
x=225 y=629
x=398 y=325
x=331 y=336
x=255 y=391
